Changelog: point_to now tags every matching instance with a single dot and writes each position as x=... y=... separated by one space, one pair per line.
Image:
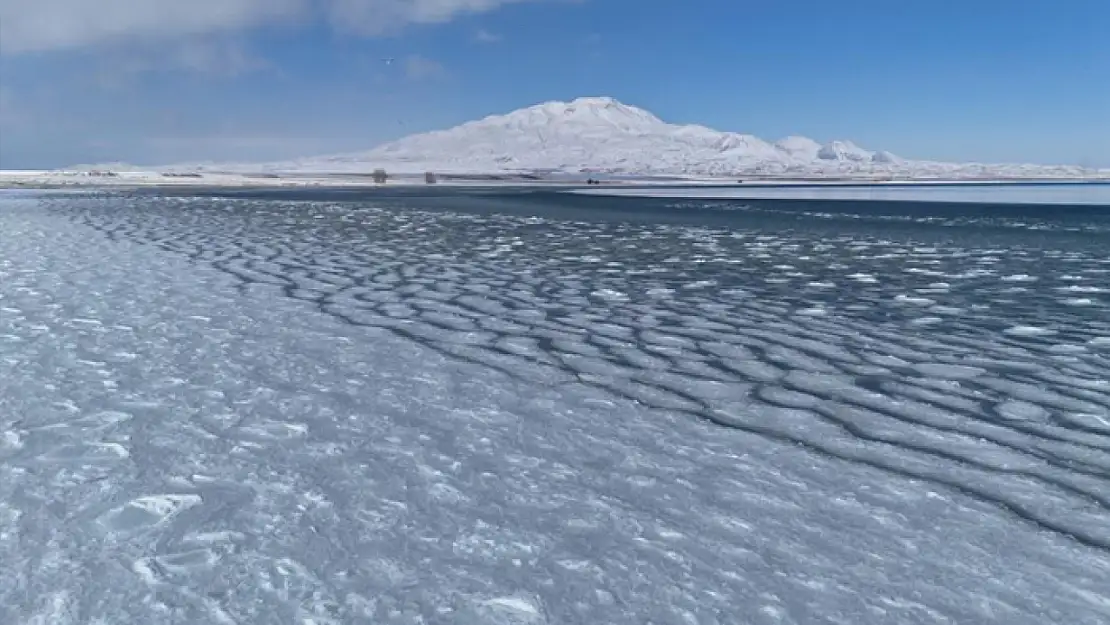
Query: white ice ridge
x=219 y=410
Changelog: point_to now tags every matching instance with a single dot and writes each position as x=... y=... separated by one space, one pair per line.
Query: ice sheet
x=244 y=411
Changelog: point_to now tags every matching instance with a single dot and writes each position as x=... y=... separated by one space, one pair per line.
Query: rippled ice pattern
x=264 y=409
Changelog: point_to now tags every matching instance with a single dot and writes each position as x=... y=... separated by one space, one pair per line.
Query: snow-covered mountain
x=603 y=135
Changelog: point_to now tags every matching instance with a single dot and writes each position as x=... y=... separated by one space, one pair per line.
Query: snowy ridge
x=603 y=135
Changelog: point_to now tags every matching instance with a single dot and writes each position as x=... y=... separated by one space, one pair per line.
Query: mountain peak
x=589 y=103
x=593 y=134
x=597 y=111
x=843 y=151
x=602 y=101
x=604 y=135
x=799 y=147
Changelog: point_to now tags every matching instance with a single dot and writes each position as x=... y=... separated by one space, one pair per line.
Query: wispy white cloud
x=43 y=25
x=375 y=17
x=485 y=36
x=421 y=68
x=223 y=58
x=226 y=58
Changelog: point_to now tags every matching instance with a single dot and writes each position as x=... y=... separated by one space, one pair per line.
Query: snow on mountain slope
x=588 y=134
x=843 y=151
x=603 y=135
x=799 y=147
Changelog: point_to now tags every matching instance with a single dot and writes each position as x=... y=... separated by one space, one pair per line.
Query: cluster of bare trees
x=380 y=177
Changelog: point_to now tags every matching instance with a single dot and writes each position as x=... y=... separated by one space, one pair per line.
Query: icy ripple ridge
x=264 y=411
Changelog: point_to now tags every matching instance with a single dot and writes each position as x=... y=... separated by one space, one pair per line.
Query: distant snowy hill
x=604 y=136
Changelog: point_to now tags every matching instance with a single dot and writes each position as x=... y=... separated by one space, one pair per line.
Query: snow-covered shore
x=675 y=186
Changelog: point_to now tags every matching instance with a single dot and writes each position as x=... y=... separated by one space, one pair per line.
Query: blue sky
x=162 y=81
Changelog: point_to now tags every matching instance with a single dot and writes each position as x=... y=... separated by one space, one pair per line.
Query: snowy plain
x=343 y=409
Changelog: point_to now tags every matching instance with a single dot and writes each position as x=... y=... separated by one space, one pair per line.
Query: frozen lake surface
x=522 y=408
